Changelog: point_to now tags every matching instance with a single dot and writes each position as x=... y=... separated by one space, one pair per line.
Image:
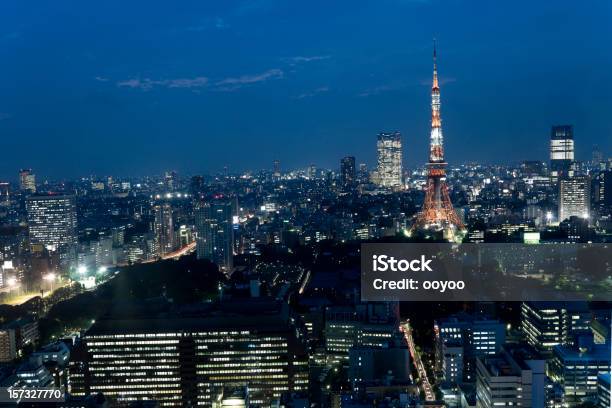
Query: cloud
x=302 y=59
x=199 y=82
x=313 y=92
x=379 y=89
x=146 y=83
x=232 y=83
x=101 y=79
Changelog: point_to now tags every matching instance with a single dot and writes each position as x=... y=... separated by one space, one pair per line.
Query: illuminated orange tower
x=437 y=212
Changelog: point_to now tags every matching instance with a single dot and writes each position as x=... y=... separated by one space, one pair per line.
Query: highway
x=418 y=363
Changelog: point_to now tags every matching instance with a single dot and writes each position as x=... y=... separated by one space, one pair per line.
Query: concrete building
x=512 y=377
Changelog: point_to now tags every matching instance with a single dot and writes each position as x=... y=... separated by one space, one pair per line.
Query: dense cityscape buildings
x=243 y=289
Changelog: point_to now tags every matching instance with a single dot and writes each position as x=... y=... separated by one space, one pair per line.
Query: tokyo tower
x=437 y=212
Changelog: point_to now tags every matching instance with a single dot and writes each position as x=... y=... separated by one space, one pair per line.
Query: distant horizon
x=231 y=172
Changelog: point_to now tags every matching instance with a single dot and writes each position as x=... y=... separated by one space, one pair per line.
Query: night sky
x=139 y=87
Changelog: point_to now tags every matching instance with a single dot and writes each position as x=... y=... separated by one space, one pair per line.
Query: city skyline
x=111 y=102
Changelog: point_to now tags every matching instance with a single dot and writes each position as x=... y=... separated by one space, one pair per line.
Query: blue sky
x=139 y=87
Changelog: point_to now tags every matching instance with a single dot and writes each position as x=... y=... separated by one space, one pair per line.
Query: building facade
x=389 y=170
x=213 y=223
x=52 y=222
x=186 y=361
x=561 y=151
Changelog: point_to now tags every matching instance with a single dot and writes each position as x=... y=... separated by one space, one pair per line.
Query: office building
x=347 y=172
x=188 y=360
x=213 y=223
x=52 y=223
x=363 y=325
x=5 y=194
x=8 y=345
x=512 y=377
x=576 y=369
x=561 y=151
x=377 y=365
x=389 y=169
x=549 y=324
x=574 y=197
x=27 y=181
x=452 y=362
x=33 y=374
x=163 y=227
x=475 y=335
x=57 y=353
x=601 y=193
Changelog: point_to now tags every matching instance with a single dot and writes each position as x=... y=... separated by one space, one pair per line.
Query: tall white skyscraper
x=52 y=222
x=574 y=197
x=389 y=148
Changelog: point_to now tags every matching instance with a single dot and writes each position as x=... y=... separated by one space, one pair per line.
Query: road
x=418 y=363
x=181 y=251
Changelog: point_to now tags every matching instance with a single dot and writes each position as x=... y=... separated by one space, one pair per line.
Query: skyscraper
x=27 y=180
x=5 y=193
x=601 y=192
x=561 y=151
x=347 y=171
x=277 y=170
x=389 y=148
x=437 y=212
x=52 y=222
x=574 y=197
x=213 y=222
x=163 y=227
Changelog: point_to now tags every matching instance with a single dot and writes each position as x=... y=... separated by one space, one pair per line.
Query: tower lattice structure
x=437 y=211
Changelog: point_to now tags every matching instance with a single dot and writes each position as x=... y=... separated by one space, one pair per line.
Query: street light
x=49 y=277
x=82 y=269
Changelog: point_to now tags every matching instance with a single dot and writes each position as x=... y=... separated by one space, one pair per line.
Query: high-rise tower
x=437 y=212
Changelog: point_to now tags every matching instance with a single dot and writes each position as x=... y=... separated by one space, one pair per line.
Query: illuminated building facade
x=163 y=226
x=561 y=151
x=549 y=324
x=52 y=222
x=187 y=361
x=574 y=197
x=389 y=170
x=469 y=336
x=437 y=212
x=27 y=180
x=576 y=369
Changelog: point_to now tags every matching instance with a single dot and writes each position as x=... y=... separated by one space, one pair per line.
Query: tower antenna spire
x=437 y=211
